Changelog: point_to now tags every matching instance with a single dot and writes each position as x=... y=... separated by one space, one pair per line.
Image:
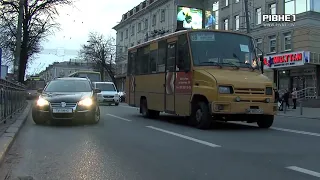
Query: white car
x=109 y=93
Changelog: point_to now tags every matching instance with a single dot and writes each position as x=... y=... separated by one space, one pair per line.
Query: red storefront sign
x=284 y=58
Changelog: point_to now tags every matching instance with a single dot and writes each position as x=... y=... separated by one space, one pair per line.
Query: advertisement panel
x=3 y=72
x=191 y=18
x=286 y=60
x=210 y=20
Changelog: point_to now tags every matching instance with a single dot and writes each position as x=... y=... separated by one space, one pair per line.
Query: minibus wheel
x=266 y=121
x=201 y=117
x=147 y=113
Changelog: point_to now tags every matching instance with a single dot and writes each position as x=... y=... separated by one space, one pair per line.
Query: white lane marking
x=283 y=129
x=119 y=117
x=305 y=171
x=296 y=131
x=184 y=137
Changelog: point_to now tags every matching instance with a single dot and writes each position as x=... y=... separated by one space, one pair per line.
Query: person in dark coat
x=286 y=97
x=276 y=96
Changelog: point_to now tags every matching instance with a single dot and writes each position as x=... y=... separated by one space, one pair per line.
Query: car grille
x=68 y=105
x=108 y=96
x=248 y=91
x=63 y=115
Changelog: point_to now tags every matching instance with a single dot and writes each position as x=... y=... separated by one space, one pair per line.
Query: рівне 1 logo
x=279 y=18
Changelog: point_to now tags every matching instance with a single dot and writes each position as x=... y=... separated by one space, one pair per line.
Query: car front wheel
x=95 y=117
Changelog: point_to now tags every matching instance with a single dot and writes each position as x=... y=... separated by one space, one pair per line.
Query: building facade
x=63 y=69
x=278 y=42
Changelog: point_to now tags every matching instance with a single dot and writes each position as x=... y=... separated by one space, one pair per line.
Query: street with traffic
x=124 y=145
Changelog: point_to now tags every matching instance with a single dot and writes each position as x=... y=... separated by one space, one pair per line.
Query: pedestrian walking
x=294 y=98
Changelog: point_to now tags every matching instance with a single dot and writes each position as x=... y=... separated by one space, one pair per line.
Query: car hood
x=108 y=93
x=241 y=79
x=73 y=97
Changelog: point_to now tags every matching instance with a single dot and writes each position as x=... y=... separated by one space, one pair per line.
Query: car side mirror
x=262 y=63
x=40 y=90
x=97 y=91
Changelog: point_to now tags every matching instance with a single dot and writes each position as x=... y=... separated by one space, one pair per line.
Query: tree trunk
x=24 y=46
x=110 y=73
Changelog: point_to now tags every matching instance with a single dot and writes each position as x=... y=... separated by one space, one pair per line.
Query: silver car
x=109 y=93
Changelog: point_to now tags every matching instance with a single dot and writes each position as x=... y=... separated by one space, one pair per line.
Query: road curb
x=7 y=139
x=316 y=118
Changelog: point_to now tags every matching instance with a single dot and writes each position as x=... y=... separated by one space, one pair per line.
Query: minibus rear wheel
x=266 y=121
x=201 y=117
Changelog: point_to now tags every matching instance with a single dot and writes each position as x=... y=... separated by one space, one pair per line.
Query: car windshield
x=94 y=77
x=222 y=49
x=105 y=87
x=68 y=86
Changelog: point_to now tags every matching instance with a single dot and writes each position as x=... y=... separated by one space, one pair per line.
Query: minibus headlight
x=225 y=90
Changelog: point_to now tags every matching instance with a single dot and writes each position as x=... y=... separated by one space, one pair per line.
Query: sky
x=76 y=23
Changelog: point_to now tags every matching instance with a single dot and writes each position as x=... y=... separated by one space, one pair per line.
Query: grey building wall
x=63 y=69
x=302 y=35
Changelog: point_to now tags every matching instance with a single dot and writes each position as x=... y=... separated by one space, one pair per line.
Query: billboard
x=191 y=18
x=210 y=20
x=4 y=72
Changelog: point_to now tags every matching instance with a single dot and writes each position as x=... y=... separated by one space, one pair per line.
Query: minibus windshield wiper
x=249 y=65
x=211 y=62
x=229 y=63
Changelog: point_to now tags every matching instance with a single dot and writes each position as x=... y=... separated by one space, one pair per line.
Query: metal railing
x=12 y=99
x=307 y=93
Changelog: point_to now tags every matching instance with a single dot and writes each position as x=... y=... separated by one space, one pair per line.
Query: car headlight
x=86 y=102
x=269 y=90
x=42 y=102
x=225 y=90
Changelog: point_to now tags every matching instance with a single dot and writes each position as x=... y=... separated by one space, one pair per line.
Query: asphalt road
x=126 y=146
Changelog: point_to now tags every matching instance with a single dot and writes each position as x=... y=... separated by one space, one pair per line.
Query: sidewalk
x=9 y=131
x=311 y=113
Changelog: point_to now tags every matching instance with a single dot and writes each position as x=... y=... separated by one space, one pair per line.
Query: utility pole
x=247 y=15
x=18 y=40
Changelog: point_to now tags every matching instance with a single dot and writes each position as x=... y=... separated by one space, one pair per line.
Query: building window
x=259 y=45
x=226 y=24
x=215 y=13
x=299 y=6
x=146 y=24
x=121 y=36
x=237 y=22
x=163 y=15
x=273 y=8
x=132 y=30
x=258 y=16
x=154 y=20
x=127 y=33
x=227 y=2
x=139 y=26
x=287 y=41
x=272 y=44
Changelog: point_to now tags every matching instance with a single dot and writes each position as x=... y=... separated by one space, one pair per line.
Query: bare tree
x=101 y=51
x=37 y=24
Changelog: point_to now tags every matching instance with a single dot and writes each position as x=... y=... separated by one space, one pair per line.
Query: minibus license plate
x=62 y=110
x=254 y=111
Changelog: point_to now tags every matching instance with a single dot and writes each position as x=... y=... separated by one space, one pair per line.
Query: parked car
x=109 y=93
x=67 y=99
